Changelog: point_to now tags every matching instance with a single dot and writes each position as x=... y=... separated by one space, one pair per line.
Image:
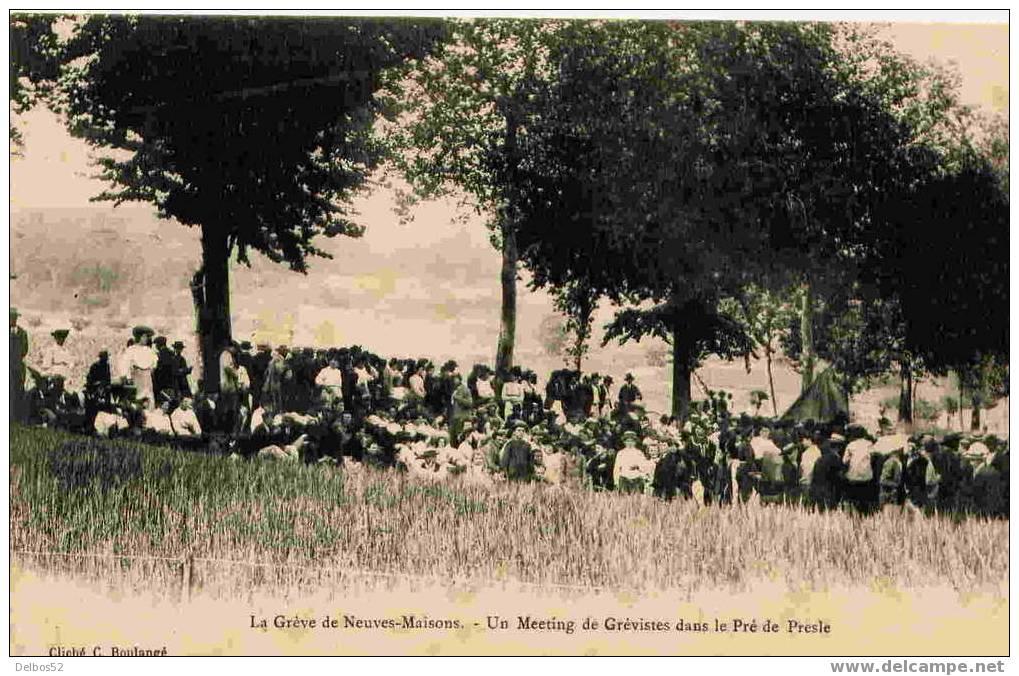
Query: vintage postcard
x=494 y=335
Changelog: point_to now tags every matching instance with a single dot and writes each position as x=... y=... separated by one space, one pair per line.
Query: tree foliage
x=260 y=128
x=577 y=302
x=34 y=63
x=461 y=126
x=671 y=165
x=258 y=131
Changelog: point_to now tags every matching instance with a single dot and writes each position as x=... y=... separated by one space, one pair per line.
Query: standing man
x=486 y=393
x=606 y=394
x=890 y=481
x=244 y=359
x=596 y=389
x=19 y=349
x=808 y=459
x=516 y=458
x=97 y=386
x=180 y=371
x=512 y=397
x=461 y=409
x=418 y=390
x=257 y=373
x=162 y=376
x=233 y=389
x=826 y=479
x=330 y=383
x=629 y=394
x=277 y=380
x=586 y=396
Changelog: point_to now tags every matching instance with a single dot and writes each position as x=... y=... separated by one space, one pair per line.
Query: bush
x=889 y=404
x=926 y=410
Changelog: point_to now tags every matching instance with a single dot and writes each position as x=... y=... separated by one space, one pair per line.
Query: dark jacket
x=826 y=482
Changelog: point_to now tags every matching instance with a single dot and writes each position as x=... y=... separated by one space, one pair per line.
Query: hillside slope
x=429 y=288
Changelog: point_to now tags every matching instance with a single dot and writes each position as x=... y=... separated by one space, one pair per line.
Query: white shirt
x=631 y=464
x=330 y=377
x=513 y=392
x=807 y=461
x=232 y=378
x=56 y=360
x=136 y=358
x=105 y=423
x=417 y=385
x=485 y=390
x=858 y=460
x=185 y=423
x=157 y=421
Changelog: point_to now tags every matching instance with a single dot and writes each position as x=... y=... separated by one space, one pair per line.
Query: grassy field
x=301 y=524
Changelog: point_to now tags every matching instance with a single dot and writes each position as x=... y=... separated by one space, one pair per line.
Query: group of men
x=347 y=404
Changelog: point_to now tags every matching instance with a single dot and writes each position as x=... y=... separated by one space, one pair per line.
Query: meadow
x=131 y=513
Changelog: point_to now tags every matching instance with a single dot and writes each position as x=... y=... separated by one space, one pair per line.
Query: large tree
x=256 y=131
x=464 y=119
x=672 y=165
x=34 y=64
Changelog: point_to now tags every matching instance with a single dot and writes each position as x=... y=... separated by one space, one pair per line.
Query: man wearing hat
x=56 y=359
x=278 y=378
x=585 y=396
x=890 y=481
x=826 y=479
x=628 y=394
x=97 y=385
x=180 y=371
x=19 y=350
x=606 y=394
x=244 y=356
x=162 y=375
x=989 y=486
x=461 y=408
x=257 y=373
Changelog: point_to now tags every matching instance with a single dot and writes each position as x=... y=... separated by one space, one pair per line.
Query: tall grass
x=300 y=522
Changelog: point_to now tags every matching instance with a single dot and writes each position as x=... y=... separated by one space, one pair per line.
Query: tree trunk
x=681 y=372
x=974 y=420
x=807 y=337
x=771 y=380
x=905 y=393
x=508 y=324
x=508 y=274
x=961 y=425
x=214 y=326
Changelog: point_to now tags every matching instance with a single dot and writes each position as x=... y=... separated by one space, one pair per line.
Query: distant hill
x=430 y=289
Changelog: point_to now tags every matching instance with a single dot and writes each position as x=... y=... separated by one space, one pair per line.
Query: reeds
x=274 y=523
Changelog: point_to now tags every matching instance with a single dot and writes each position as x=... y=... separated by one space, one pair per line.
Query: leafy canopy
x=257 y=129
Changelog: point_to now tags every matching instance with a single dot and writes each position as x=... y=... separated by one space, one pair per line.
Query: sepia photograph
x=505 y=335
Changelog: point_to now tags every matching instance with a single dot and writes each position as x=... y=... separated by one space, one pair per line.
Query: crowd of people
x=349 y=406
